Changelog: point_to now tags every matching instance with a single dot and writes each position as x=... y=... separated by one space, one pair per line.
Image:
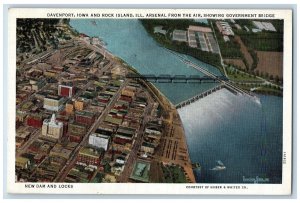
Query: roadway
x=133 y=155
x=32 y=138
x=221 y=58
x=72 y=160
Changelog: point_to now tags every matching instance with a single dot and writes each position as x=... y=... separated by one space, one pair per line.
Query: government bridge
x=209 y=77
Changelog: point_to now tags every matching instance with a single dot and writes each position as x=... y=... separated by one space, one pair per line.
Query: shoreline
x=173 y=120
x=165 y=45
x=188 y=51
x=169 y=107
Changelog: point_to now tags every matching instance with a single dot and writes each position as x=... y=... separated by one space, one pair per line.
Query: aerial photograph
x=149 y=100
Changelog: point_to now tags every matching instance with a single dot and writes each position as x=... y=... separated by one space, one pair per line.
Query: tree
x=276 y=79
x=107 y=168
x=266 y=75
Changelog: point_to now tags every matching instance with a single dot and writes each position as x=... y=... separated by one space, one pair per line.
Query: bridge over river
x=176 y=78
x=209 y=77
x=225 y=82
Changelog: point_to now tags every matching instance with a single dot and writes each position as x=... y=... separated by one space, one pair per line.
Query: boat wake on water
x=257 y=100
x=219 y=167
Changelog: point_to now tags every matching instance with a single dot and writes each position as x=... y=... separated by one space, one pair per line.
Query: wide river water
x=245 y=135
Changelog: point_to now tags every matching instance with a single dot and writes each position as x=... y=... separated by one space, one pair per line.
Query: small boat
x=94 y=22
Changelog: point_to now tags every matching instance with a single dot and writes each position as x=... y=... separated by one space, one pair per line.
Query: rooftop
x=100 y=135
x=85 y=113
x=148 y=144
x=89 y=152
x=126 y=130
x=22 y=160
x=23 y=134
x=140 y=171
x=55 y=97
x=199 y=28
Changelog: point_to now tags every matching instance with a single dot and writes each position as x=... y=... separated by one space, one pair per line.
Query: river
x=244 y=135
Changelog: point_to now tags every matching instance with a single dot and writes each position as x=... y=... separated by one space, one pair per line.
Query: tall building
x=84 y=117
x=89 y=156
x=79 y=104
x=53 y=103
x=66 y=90
x=69 y=108
x=99 y=141
x=52 y=128
x=76 y=131
x=35 y=120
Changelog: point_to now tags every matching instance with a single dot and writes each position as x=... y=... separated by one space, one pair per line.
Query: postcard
x=149 y=101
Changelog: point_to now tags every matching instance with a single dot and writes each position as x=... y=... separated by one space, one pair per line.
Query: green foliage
x=173 y=174
x=261 y=41
x=107 y=168
x=171 y=24
x=230 y=49
x=180 y=47
x=98 y=178
x=34 y=33
x=264 y=41
x=254 y=57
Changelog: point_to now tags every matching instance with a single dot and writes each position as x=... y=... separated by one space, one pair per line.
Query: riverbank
x=217 y=127
x=172 y=124
x=253 y=83
x=182 y=47
x=173 y=148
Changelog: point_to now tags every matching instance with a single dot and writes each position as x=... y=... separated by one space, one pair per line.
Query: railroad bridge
x=165 y=78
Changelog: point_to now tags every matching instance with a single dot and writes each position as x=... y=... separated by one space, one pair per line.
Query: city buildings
x=76 y=131
x=224 y=28
x=51 y=128
x=22 y=162
x=96 y=131
x=22 y=137
x=37 y=85
x=84 y=117
x=35 y=120
x=117 y=72
x=140 y=172
x=53 y=102
x=202 y=38
x=99 y=141
x=79 y=104
x=147 y=147
x=59 y=151
x=69 y=107
x=66 y=90
x=89 y=156
x=264 y=26
x=179 y=35
x=159 y=29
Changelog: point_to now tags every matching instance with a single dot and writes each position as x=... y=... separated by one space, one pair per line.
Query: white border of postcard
x=150 y=188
